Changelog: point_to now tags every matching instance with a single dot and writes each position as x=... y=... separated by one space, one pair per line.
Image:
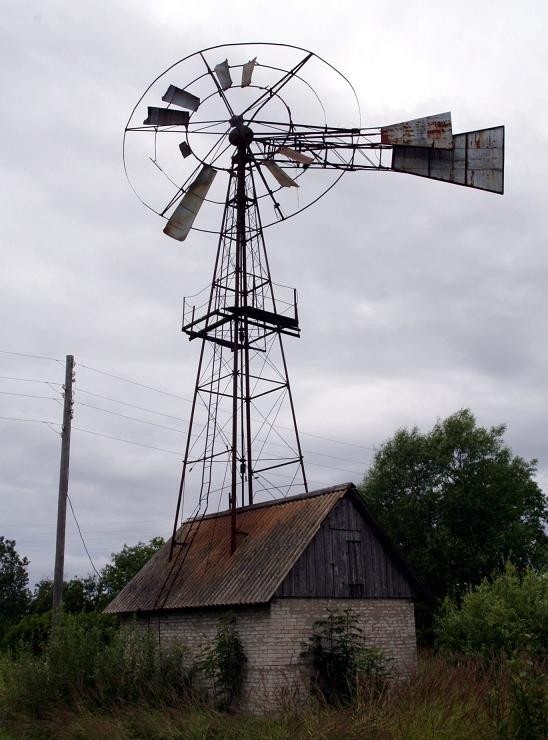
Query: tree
x=124 y=565
x=458 y=503
x=79 y=595
x=14 y=580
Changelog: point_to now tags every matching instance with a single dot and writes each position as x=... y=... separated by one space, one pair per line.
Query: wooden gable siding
x=345 y=560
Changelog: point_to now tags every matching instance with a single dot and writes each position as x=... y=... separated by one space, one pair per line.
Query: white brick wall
x=273 y=638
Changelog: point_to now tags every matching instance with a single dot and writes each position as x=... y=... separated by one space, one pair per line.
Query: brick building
x=296 y=559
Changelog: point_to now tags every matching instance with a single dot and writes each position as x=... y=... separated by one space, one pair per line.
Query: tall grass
x=457 y=699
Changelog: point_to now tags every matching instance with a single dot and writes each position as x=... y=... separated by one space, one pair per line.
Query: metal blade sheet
x=247 y=71
x=295 y=155
x=180 y=223
x=476 y=160
x=222 y=71
x=166 y=117
x=279 y=175
x=431 y=131
x=185 y=149
x=182 y=98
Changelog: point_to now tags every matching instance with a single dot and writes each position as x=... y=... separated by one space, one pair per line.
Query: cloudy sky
x=416 y=298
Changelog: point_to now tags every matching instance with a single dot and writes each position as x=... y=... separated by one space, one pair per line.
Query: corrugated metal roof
x=272 y=536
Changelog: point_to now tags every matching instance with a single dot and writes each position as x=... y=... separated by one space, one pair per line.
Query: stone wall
x=272 y=637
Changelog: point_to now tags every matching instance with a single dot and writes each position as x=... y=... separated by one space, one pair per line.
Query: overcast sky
x=416 y=298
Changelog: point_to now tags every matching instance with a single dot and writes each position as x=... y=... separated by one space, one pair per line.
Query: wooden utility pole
x=63 y=487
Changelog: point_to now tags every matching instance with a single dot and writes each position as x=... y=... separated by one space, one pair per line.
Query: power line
x=182 y=398
x=127 y=441
x=130 y=405
x=27 y=395
x=171 y=395
x=82 y=536
x=179 y=431
x=134 y=382
x=34 y=357
x=34 y=421
x=130 y=418
x=29 y=380
x=174 y=452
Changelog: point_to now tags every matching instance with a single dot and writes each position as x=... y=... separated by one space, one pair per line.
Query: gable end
x=349 y=557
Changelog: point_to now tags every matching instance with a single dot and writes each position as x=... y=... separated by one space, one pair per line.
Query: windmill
x=232 y=148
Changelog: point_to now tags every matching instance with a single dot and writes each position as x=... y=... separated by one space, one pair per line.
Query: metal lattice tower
x=262 y=123
x=242 y=363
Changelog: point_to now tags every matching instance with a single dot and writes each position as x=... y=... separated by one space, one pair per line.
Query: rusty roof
x=272 y=536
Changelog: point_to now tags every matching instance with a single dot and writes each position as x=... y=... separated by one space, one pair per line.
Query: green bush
x=224 y=663
x=31 y=633
x=506 y=614
x=529 y=699
x=89 y=661
x=342 y=663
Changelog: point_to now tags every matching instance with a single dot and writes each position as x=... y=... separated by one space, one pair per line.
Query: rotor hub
x=241 y=135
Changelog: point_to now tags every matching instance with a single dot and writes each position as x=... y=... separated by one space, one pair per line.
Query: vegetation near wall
x=93 y=663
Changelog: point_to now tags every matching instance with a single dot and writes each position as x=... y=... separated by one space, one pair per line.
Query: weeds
x=224 y=663
x=88 y=684
x=343 y=665
x=86 y=667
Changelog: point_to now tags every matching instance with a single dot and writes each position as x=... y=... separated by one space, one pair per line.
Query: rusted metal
x=295 y=156
x=285 y=548
x=431 y=131
x=247 y=72
x=272 y=536
x=281 y=177
x=476 y=161
x=166 y=117
x=180 y=223
x=182 y=98
x=222 y=71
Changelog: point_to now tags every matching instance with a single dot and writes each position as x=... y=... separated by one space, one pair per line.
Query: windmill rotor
x=166 y=146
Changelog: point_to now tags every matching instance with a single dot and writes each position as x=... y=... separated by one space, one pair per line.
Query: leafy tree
x=79 y=595
x=508 y=613
x=457 y=502
x=123 y=566
x=14 y=594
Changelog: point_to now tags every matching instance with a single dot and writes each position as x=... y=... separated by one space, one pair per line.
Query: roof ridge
x=277 y=502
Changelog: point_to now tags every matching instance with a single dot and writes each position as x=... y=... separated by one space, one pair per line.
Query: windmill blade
x=431 y=131
x=182 y=98
x=166 y=117
x=222 y=71
x=183 y=216
x=279 y=175
x=247 y=71
x=295 y=156
x=185 y=149
x=476 y=160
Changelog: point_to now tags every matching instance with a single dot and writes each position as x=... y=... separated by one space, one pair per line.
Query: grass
x=449 y=699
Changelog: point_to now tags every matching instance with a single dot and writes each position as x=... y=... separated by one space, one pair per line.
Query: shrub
x=224 y=663
x=31 y=633
x=341 y=661
x=506 y=614
x=92 y=662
